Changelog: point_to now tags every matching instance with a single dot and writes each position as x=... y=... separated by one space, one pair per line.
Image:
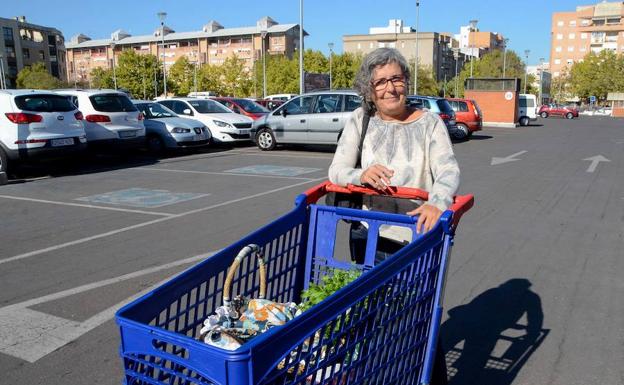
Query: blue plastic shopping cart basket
x=380 y=329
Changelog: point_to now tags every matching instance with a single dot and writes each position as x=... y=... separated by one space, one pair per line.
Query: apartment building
x=434 y=49
x=591 y=28
x=23 y=44
x=473 y=42
x=211 y=45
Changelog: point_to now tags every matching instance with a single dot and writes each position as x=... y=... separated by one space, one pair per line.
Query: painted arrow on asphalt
x=510 y=158
x=594 y=162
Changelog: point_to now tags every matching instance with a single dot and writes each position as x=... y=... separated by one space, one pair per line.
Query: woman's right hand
x=377 y=176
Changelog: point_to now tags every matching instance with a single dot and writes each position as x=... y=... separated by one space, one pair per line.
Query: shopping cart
x=379 y=329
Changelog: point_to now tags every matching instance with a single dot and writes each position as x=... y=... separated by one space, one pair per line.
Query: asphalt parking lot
x=534 y=288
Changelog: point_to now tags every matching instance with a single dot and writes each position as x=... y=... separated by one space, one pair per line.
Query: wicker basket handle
x=245 y=251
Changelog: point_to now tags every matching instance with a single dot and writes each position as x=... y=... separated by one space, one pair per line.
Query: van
x=527 y=109
x=281 y=97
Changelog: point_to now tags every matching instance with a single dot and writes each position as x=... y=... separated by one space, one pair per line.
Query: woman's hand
x=377 y=176
x=429 y=216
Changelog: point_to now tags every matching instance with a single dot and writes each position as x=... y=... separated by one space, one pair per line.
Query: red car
x=271 y=104
x=567 y=112
x=467 y=115
x=243 y=106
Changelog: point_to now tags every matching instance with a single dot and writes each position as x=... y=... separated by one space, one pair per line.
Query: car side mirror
x=235 y=109
x=284 y=112
x=187 y=111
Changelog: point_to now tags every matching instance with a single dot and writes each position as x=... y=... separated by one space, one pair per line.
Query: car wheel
x=4 y=162
x=461 y=131
x=544 y=114
x=155 y=144
x=524 y=121
x=266 y=139
x=569 y=115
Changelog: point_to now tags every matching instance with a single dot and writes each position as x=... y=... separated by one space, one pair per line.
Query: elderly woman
x=403 y=146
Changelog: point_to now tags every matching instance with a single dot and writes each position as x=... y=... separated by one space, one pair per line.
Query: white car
x=224 y=124
x=37 y=123
x=110 y=118
x=165 y=129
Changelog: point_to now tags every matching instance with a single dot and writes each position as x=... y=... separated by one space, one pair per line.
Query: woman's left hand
x=429 y=216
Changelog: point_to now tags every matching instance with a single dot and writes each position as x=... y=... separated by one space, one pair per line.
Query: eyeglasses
x=381 y=84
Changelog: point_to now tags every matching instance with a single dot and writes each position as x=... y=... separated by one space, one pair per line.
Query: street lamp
x=473 y=26
x=456 y=56
x=526 y=69
x=301 y=80
x=162 y=16
x=331 y=52
x=505 y=41
x=263 y=35
x=2 y=78
x=541 y=78
x=112 y=44
x=195 y=56
x=416 y=57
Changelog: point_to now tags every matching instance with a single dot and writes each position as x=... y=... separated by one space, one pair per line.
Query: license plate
x=452 y=122
x=197 y=138
x=243 y=132
x=62 y=142
x=127 y=134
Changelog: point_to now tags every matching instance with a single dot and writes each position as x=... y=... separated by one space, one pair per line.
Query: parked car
x=243 y=106
x=527 y=109
x=165 y=129
x=468 y=116
x=202 y=94
x=441 y=107
x=37 y=124
x=269 y=104
x=223 y=123
x=313 y=118
x=282 y=97
x=110 y=118
x=554 y=109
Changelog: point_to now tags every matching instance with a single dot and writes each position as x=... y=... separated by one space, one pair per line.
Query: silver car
x=165 y=129
x=312 y=118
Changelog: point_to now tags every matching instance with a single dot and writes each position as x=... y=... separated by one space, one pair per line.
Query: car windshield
x=44 y=103
x=208 y=107
x=251 y=106
x=112 y=103
x=155 y=111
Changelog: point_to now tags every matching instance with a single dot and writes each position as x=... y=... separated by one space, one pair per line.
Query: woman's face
x=389 y=89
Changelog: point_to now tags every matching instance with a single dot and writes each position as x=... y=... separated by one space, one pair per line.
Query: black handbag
x=345 y=200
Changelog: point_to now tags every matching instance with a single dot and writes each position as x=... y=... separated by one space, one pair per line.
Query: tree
x=235 y=78
x=427 y=85
x=181 y=77
x=37 y=76
x=102 y=78
x=344 y=69
x=135 y=72
x=598 y=74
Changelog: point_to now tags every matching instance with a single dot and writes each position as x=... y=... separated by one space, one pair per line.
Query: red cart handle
x=461 y=203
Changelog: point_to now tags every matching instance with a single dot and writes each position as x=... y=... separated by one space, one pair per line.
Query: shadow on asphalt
x=488 y=340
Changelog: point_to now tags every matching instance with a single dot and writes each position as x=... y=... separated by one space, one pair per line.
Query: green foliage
x=181 y=77
x=334 y=280
x=427 y=85
x=102 y=78
x=598 y=74
x=235 y=78
x=136 y=73
x=37 y=76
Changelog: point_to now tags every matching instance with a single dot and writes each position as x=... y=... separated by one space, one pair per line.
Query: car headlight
x=223 y=124
x=180 y=130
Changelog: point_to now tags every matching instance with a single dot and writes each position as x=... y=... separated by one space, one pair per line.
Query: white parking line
x=330 y=156
x=87 y=206
x=220 y=173
x=31 y=335
x=139 y=225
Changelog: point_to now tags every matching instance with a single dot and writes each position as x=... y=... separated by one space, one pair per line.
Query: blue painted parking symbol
x=140 y=197
x=266 y=169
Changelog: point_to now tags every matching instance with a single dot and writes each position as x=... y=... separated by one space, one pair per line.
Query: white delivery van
x=527 y=109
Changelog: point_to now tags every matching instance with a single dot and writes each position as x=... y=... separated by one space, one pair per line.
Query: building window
x=560 y=23
x=557 y=49
x=371 y=45
x=571 y=49
x=41 y=55
x=10 y=51
x=570 y=61
x=572 y=36
x=572 y=23
x=583 y=49
x=8 y=33
x=559 y=36
x=583 y=35
x=585 y=22
x=557 y=61
x=359 y=46
x=556 y=73
x=26 y=53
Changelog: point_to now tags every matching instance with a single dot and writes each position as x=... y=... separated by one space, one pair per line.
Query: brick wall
x=494 y=106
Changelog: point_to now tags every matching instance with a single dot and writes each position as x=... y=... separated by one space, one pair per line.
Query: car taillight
x=445 y=116
x=78 y=115
x=97 y=118
x=140 y=117
x=23 y=118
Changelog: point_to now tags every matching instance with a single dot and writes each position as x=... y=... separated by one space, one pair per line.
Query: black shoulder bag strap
x=365 y=120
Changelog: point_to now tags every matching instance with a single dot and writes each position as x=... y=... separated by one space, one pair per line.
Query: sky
x=526 y=23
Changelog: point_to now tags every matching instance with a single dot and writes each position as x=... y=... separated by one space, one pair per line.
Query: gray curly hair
x=379 y=57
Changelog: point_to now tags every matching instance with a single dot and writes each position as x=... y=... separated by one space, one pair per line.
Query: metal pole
x=526 y=64
x=264 y=82
x=143 y=80
x=162 y=16
x=473 y=26
x=541 y=78
x=456 y=80
x=331 y=46
x=416 y=57
x=114 y=74
x=505 y=41
x=2 y=78
x=301 y=80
